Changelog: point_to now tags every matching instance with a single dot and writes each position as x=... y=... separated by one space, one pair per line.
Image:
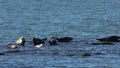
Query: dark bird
x=64 y=39
x=110 y=39
x=20 y=41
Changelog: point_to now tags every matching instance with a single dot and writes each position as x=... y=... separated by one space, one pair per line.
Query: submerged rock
x=86 y=54
x=102 y=43
x=98 y=53
x=70 y=55
x=13 y=51
x=2 y=53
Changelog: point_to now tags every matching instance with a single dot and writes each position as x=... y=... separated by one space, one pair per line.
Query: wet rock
x=110 y=39
x=65 y=39
x=20 y=41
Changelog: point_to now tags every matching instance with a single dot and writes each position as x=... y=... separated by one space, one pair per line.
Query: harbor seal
x=20 y=41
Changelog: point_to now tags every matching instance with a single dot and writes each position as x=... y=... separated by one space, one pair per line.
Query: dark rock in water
x=70 y=55
x=110 y=39
x=64 y=39
x=102 y=43
x=2 y=54
x=95 y=43
x=53 y=41
x=37 y=41
x=13 y=51
x=98 y=53
x=86 y=54
x=21 y=41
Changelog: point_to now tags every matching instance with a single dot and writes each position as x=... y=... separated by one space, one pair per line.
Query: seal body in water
x=13 y=46
x=20 y=41
x=37 y=41
x=64 y=39
x=39 y=46
x=110 y=39
x=53 y=41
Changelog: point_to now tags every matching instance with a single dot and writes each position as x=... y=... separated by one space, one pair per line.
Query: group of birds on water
x=37 y=42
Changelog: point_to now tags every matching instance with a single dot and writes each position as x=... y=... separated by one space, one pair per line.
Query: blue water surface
x=84 y=20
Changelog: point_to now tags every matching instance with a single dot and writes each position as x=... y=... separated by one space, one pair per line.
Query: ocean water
x=84 y=20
